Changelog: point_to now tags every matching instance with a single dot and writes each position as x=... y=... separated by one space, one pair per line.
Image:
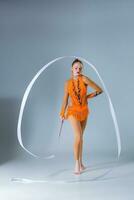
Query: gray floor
x=117 y=184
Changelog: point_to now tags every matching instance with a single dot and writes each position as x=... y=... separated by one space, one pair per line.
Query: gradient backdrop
x=32 y=33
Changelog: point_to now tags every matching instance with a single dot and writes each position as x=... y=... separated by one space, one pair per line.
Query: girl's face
x=77 y=68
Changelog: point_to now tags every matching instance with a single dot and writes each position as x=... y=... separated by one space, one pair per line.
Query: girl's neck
x=75 y=77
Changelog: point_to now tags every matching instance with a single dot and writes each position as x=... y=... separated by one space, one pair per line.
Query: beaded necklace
x=77 y=94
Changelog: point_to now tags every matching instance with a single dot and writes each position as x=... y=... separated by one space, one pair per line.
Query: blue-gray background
x=32 y=33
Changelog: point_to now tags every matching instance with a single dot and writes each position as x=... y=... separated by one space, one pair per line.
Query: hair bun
x=77 y=60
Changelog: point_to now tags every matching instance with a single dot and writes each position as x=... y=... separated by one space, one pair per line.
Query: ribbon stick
x=61 y=127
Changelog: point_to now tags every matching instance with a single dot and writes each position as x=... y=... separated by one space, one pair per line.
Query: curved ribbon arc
x=28 y=89
x=111 y=108
x=76 y=180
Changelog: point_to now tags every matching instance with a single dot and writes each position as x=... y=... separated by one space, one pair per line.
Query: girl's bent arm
x=98 y=89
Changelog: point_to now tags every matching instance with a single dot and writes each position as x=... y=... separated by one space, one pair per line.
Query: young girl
x=76 y=111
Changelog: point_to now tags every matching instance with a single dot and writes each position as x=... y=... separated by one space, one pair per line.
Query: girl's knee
x=78 y=138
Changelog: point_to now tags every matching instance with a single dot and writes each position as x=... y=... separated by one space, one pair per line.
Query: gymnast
x=76 y=110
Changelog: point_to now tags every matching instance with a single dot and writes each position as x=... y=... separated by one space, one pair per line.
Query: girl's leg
x=83 y=125
x=77 y=140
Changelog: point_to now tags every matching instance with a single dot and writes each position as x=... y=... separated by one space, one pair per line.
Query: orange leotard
x=79 y=111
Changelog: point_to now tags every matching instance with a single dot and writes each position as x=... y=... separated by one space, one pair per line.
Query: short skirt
x=79 y=112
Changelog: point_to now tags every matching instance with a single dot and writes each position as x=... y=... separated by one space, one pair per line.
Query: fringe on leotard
x=80 y=114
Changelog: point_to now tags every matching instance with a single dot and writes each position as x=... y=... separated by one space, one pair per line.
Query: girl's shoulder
x=68 y=80
x=84 y=76
x=84 y=79
x=68 y=83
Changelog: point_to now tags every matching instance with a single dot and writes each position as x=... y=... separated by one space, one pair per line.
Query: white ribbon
x=28 y=89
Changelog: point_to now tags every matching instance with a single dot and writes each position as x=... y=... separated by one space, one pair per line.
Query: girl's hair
x=77 y=60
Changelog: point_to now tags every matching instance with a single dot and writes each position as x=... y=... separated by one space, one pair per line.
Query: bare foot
x=77 y=168
x=82 y=167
